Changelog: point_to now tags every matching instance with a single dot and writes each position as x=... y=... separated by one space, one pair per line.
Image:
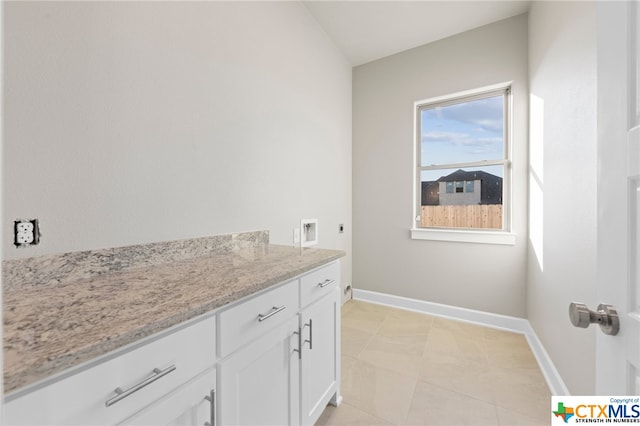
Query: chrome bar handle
x=212 y=413
x=274 y=310
x=326 y=283
x=299 y=350
x=122 y=394
x=310 y=341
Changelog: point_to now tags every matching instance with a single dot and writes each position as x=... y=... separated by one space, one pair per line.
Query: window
x=462 y=150
x=469 y=187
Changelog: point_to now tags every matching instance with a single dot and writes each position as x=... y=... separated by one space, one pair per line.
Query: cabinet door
x=320 y=364
x=192 y=404
x=259 y=383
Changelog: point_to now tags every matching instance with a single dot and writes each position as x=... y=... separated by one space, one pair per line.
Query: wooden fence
x=488 y=216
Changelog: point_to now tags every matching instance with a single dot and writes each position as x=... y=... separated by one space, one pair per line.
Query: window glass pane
x=459 y=186
x=480 y=206
x=469 y=187
x=463 y=132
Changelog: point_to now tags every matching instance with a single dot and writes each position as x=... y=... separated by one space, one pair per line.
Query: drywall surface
x=563 y=183
x=135 y=122
x=485 y=277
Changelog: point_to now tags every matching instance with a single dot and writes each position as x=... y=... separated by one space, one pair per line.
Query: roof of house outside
x=461 y=175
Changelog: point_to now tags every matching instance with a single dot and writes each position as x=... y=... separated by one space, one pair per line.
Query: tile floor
x=407 y=368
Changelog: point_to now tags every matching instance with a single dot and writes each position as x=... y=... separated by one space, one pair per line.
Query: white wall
x=128 y=123
x=563 y=183
x=478 y=276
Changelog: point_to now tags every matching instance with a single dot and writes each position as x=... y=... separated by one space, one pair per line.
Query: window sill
x=464 y=236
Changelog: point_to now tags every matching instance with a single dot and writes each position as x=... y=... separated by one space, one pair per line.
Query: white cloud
x=459 y=139
x=484 y=113
x=435 y=136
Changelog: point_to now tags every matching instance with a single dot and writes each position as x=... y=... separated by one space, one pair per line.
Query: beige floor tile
x=377 y=391
x=509 y=350
x=353 y=340
x=405 y=323
x=404 y=367
x=511 y=418
x=511 y=355
x=358 y=307
x=470 y=331
x=347 y=306
x=466 y=376
x=494 y=334
x=453 y=344
x=433 y=405
x=348 y=415
x=365 y=316
x=530 y=399
x=517 y=376
x=402 y=354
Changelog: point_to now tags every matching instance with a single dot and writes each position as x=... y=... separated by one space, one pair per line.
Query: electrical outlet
x=341 y=228
x=26 y=233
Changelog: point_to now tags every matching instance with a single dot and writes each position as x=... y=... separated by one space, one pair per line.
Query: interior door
x=618 y=357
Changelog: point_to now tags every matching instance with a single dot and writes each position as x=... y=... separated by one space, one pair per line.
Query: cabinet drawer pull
x=212 y=412
x=325 y=283
x=299 y=350
x=274 y=311
x=122 y=394
x=310 y=341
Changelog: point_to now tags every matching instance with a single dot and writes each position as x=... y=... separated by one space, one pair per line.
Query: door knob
x=606 y=317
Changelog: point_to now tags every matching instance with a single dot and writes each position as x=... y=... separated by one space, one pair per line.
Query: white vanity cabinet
x=259 y=379
x=192 y=404
x=280 y=353
x=320 y=326
x=272 y=358
x=112 y=389
x=259 y=384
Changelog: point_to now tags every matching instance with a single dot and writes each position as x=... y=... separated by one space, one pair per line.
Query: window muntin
x=463 y=157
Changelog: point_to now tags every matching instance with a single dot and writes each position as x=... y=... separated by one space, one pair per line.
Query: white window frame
x=503 y=236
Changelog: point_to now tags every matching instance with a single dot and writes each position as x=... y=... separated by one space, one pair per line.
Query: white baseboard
x=486 y=319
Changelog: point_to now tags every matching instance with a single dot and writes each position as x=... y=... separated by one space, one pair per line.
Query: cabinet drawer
x=318 y=283
x=81 y=399
x=248 y=320
x=190 y=405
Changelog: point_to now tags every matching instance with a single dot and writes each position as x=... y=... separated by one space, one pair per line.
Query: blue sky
x=465 y=132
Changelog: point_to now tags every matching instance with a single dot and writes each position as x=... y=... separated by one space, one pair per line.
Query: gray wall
x=563 y=182
x=478 y=276
x=128 y=123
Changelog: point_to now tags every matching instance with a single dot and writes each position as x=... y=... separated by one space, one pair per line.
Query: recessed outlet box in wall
x=309 y=232
x=26 y=232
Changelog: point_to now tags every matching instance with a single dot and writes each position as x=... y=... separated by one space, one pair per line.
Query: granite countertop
x=52 y=326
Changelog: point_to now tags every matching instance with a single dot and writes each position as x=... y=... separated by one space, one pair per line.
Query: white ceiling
x=370 y=30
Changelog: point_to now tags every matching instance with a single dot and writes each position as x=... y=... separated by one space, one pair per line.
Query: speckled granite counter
x=57 y=320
